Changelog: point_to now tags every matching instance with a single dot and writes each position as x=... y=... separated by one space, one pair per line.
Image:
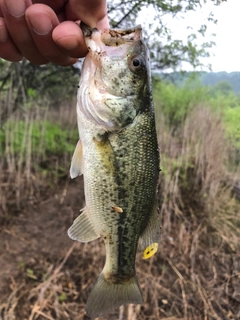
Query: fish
x=118 y=156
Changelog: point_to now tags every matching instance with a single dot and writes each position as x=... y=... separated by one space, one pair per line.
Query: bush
x=42 y=137
x=176 y=102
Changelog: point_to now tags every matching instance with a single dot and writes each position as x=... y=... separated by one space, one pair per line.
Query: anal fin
x=77 y=161
x=82 y=229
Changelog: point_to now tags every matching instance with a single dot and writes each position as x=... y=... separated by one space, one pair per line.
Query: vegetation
x=26 y=82
x=169 y=97
x=46 y=138
x=166 y=50
x=195 y=273
x=223 y=82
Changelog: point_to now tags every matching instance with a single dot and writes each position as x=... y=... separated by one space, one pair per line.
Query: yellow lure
x=150 y=251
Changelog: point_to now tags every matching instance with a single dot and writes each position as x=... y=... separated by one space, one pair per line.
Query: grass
x=232 y=120
x=46 y=138
x=196 y=272
x=36 y=149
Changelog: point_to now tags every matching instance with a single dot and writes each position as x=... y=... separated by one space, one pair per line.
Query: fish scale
x=118 y=157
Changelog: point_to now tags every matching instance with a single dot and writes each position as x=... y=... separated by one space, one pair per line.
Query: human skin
x=47 y=31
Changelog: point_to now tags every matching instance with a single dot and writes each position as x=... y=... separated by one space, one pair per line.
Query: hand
x=47 y=31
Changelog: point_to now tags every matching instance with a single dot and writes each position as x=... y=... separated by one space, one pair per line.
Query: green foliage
x=22 y=82
x=219 y=81
x=44 y=138
x=32 y=93
x=166 y=50
x=231 y=118
x=224 y=87
x=213 y=78
x=2 y=139
x=30 y=274
x=175 y=102
x=51 y=84
x=222 y=101
x=62 y=297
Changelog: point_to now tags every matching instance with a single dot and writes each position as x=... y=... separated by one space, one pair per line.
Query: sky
x=225 y=55
x=227 y=49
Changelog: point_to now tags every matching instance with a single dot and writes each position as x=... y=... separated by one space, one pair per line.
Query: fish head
x=115 y=77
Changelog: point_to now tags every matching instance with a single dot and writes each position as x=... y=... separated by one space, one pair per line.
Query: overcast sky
x=226 y=53
x=227 y=49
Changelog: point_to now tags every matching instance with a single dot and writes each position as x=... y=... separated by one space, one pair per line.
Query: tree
x=23 y=81
x=224 y=87
x=26 y=81
x=166 y=51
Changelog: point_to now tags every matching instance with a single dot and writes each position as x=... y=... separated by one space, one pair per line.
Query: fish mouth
x=100 y=41
x=129 y=34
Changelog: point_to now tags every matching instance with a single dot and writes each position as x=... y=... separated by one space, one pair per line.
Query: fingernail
x=41 y=23
x=15 y=8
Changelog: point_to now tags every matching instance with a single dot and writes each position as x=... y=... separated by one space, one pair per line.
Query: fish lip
x=88 y=31
x=109 y=37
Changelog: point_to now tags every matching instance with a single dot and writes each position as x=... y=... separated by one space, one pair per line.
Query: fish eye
x=137 y=63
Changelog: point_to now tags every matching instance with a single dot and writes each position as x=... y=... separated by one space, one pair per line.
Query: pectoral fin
x=150 y=237
x=77 y=161
x=82 y=229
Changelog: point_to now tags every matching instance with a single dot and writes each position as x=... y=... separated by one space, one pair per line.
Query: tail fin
x=107 y=296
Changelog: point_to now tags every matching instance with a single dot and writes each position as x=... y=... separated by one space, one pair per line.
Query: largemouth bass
x=118 y=155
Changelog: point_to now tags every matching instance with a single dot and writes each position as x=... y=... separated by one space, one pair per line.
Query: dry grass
x=196 y=272
x=25 y=174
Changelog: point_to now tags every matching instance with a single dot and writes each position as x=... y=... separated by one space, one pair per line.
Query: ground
x=37 y=238
x=46 y=275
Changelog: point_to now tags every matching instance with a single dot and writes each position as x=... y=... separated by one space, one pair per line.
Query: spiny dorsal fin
x=82 y=229
x=77 y=161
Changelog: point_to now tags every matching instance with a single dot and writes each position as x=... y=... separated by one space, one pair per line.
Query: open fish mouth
x=107 y=41
x=110 y=35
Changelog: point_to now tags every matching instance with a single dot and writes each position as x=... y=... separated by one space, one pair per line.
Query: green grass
x=231 y=118
x=176 y=103
x=44 y=138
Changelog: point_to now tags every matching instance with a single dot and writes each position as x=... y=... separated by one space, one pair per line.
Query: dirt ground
x=46 y=275
x=37 y=235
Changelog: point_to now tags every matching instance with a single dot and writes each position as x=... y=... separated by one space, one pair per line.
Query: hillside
x=206 y=78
